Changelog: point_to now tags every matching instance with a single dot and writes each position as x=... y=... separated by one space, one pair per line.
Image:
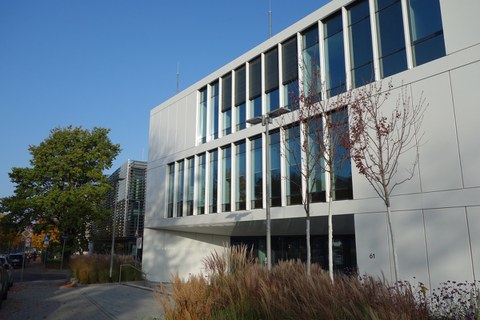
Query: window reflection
x=361 y=53
x=256 y=172
x=334 y=55
x=294 y=176
x=311 y=68
x=180 y=184
x=241 y=174
x=213 y=182
x=271 y=79
x=227 y=178
x=190 y=185
x=227 y=104
x=275 y=170
x=201 y=183
x=202 y=126
x=391 y=37
x=214 y=107
x=171 y=189
x=342 y=170
x=426 y=30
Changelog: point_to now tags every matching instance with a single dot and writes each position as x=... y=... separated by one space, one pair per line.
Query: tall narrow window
x=227 y=178
x=311 y=64
x=342 y=170
x=240 y=93
x=190 y=185
x=171 y=189
x=271 y=79
x=214 y=106
x=180 y=185
x=255 y=87
x=294 y=165
x=361 y=53
x=213 y=182
x=335 y=77
x=227 y=104
x=201 y=183
x=316 y=183
x=241 y=175
x=256 y=173
x=275 y=170
x=391 y=37
x=426 y=30
x=202 y=118
x=290 y=73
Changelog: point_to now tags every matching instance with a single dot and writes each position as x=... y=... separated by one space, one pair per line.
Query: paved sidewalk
x=50 y=299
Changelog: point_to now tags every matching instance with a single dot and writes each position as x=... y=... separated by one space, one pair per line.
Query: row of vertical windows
x=222 y=177
x=370 y=48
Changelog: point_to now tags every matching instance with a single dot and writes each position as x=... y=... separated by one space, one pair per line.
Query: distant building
x=126 y=200
x=206 y=167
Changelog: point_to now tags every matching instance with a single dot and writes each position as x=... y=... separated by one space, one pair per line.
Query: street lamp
x=137 y=235
x=112 y=252
x=265 y=120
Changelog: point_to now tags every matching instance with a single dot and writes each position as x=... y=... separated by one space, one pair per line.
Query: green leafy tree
x=65 y=186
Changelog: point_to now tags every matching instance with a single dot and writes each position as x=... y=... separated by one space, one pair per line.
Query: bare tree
x=378 y=141
x=316 y=134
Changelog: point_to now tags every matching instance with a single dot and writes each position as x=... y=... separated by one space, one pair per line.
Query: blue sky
x=107 y=63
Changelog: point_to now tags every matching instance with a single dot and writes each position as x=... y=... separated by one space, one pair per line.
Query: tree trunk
x=330 y=239
x=309 y=250
x=392 y=239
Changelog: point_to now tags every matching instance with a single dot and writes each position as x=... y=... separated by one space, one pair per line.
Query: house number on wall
x=372 y=256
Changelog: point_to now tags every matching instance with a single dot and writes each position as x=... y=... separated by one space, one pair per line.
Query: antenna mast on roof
x=270 y=19
x=178 y=76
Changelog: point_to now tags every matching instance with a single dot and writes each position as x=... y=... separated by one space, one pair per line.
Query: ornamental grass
x=235 y=286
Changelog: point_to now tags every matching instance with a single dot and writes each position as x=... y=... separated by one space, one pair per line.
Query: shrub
x=96 y=268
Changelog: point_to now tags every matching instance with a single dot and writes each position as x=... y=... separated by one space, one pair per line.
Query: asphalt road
x=43 y=295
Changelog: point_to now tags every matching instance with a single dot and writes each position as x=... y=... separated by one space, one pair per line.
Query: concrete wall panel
x=448 y=246
x=466 y=96
x=439 y=146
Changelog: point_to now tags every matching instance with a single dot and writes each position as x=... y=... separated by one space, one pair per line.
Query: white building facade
x=206 y=176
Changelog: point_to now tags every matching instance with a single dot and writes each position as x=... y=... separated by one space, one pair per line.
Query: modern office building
x=207 y=164
x=126 y=200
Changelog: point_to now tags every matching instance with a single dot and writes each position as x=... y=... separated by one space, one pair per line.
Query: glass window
x=290 y=72
x=241 y=175
x=255 y=87
x=312 y=84
x=227 y=179
x=391 y=38
x=201 y=183
x=214 y=109
x=202 y=109
x=213 y=182
x=241 y=116
x=256 y=172
x=180 y=189
x=426 y=30
x=275 y=170
x=342 y=170
x=240 y=87
x=171 y=188
x=334 y=55
x=294 y=165
x=316 y=164
x=271 y=80
x=361 y=53
x=227 y=104
x=190 y=185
